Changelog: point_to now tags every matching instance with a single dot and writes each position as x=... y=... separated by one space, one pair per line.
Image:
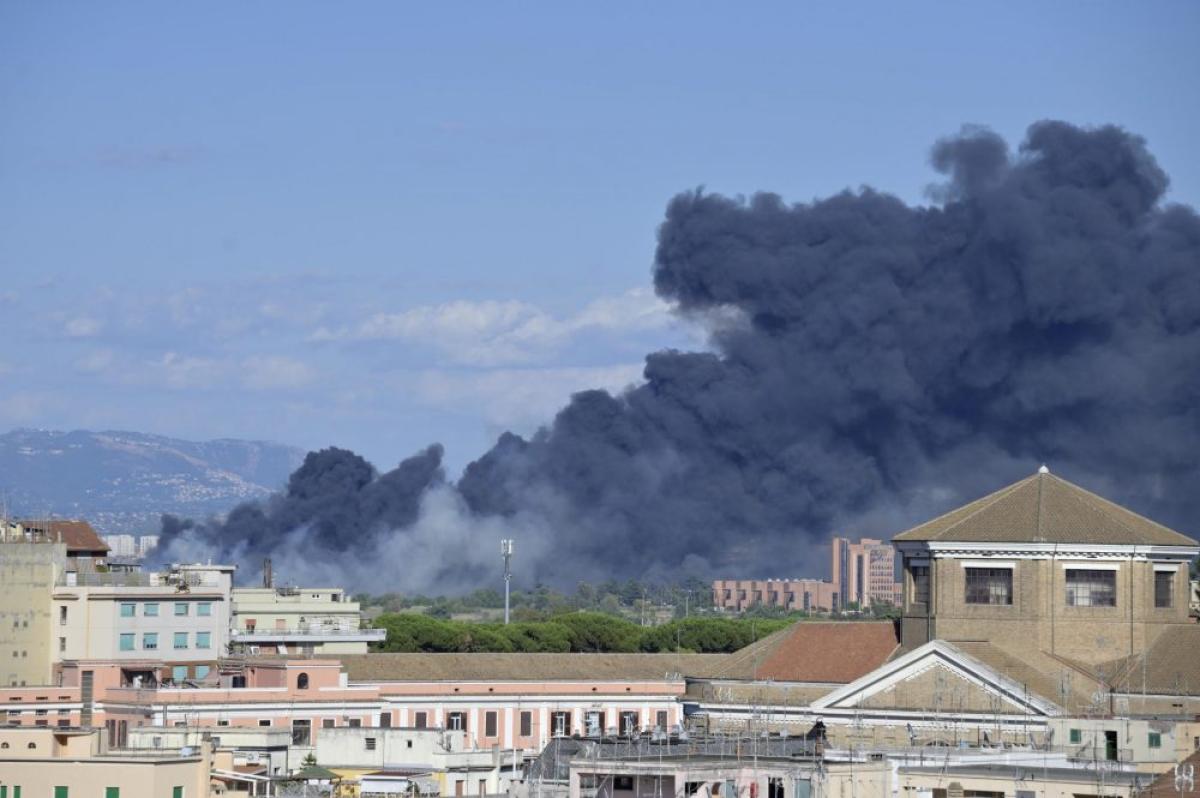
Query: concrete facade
x=864 y=573
x=180 y=618
x=48 y=762
x=813 y=595
x=305 y=621
x=28 y=571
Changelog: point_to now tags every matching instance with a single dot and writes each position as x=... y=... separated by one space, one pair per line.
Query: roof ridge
x=1040 y=536
x=996 y=496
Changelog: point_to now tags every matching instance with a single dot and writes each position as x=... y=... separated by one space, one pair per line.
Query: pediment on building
x=938 y=677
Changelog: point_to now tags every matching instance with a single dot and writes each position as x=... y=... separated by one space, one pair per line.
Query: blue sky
x=379 y=225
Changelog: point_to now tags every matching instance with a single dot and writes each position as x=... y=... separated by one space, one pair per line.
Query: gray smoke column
x=871 y=363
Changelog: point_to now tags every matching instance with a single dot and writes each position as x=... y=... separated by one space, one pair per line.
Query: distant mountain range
x=123 y=481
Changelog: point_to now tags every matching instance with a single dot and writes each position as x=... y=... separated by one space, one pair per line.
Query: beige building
x=179 y=618
x=294 y=620
x=72 y=763
x=28 y=571
x=1045 y=564
x=1025 y=613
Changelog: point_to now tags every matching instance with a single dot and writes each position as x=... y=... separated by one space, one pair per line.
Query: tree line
x=572 y=632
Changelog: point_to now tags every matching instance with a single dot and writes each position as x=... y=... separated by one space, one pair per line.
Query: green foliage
x=575 y=631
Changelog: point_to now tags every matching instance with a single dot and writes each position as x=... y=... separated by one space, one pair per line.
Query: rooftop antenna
x=506 y=551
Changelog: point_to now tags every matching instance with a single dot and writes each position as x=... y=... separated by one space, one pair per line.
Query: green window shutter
x=3 y=791
x=177 y=792
x=61 y=792
x=112 y=792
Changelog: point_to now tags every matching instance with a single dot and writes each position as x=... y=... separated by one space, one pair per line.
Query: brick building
x=814 y=595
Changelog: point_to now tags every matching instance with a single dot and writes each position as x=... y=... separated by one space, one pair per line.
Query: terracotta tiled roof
x=78 y=535
x=1045 y=509
x=526 y=667
x=832 y=652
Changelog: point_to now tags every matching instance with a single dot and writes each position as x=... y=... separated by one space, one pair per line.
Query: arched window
x=302 y=681
x=3 y=745
x=33 y=745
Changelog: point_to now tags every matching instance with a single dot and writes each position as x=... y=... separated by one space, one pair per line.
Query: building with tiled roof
x=1022 y=611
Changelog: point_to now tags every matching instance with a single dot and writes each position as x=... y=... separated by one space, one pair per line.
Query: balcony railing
x=264 y=635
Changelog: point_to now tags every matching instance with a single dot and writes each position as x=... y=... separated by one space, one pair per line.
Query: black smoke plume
x=872 y=363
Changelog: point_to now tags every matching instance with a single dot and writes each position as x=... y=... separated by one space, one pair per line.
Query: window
x=150 y=641
x=62 y=644
x=179 y=672
x=1154 y=740
x=1164 y=588
x=112 y=792
x=301 y=732
x=327 y=723
x=369 y=743
x=177 y=792
x=264 y=721
x=181 y=608
x=629 y=722
x=204 y=609
x=354 y=723
x=126 y=612
x=489 y=724
x=594 y=723
x=1091 y=588
x=660 y=720
x=526 y=724
x=302 y=681
x=62 y=792
x=421 y=720
x=203 y=639
x=181 y=639
x=202 y=670
x=150 y=610
x=920 y=583
x=456 y=721
x=385 y=720
x=560 y=724
x=989 y=585
x=1076 y=736
x=223 y=722
x=127 y=641
x=62 y=615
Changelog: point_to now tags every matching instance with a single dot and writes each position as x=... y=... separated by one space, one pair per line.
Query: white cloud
x=82 y=327
x=275 y=373
x=95 y=362
x=184 y=371
x=494 y=332
x=522 y=399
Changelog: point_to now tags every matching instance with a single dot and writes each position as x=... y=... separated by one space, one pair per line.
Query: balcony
x=313 y=634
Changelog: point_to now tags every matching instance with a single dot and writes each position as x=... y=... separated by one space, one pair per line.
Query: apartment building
x=294 y=620
x=29 y=568
x=809 y=595
x=178 y=619
x=864 y=573
x=75 y=763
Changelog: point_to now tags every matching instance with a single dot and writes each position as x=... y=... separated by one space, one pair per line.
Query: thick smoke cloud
x=872 y=363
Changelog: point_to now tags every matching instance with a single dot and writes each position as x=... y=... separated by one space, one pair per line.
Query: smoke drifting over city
x=872 y=363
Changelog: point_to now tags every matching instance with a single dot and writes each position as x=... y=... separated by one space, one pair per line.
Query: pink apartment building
x=864 y=573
